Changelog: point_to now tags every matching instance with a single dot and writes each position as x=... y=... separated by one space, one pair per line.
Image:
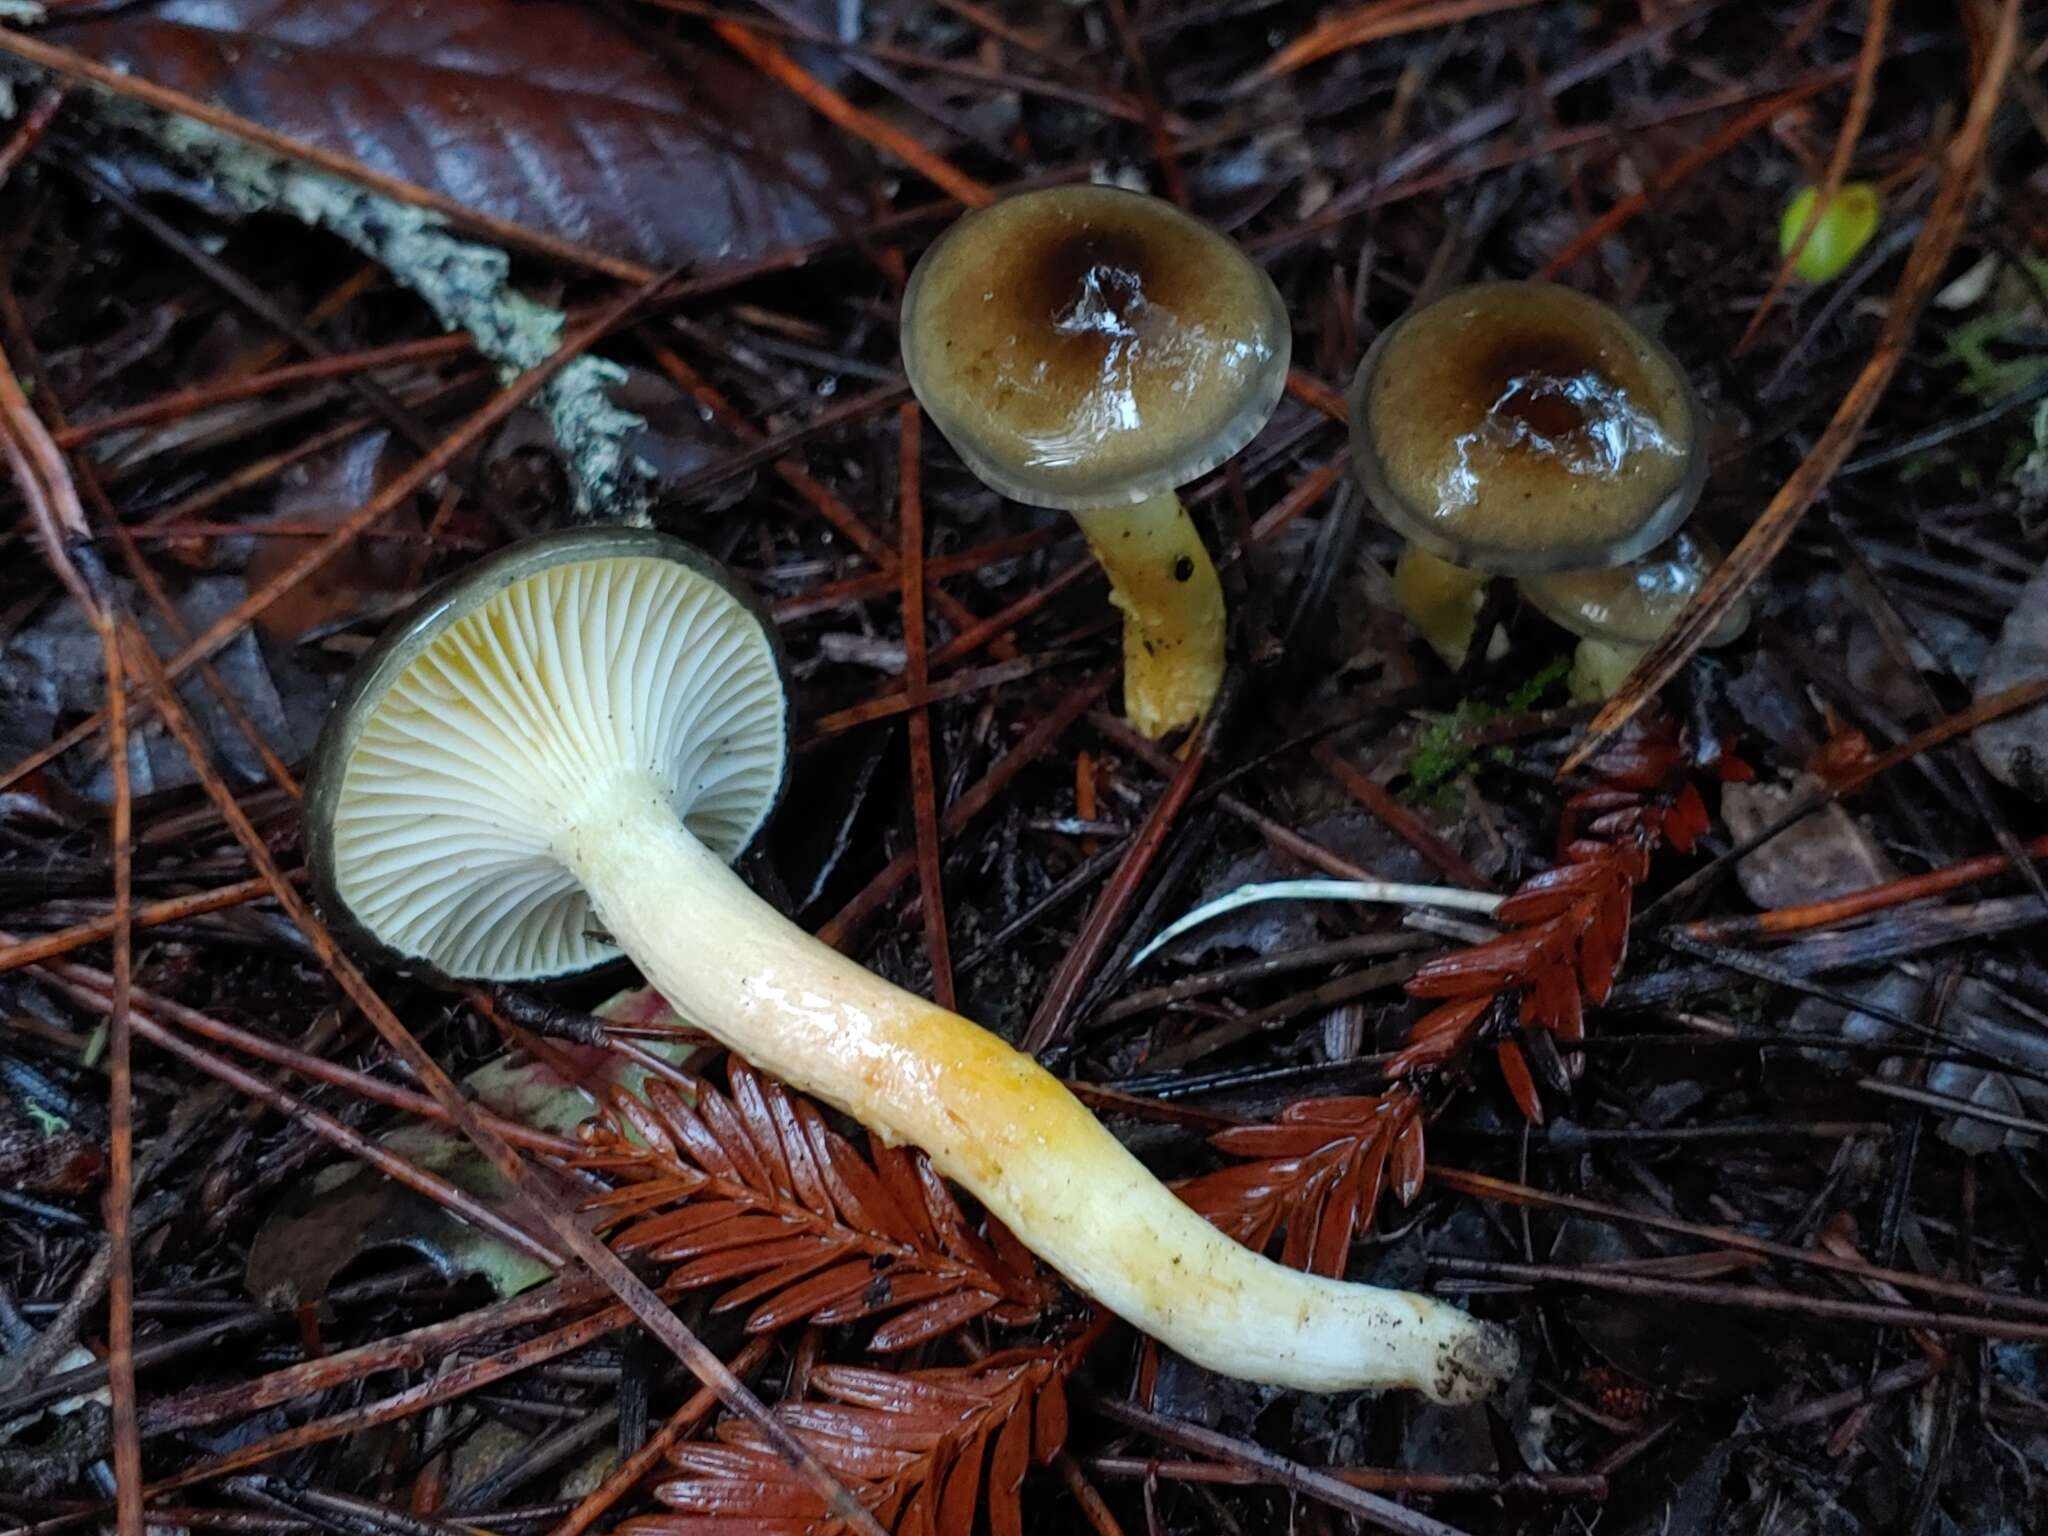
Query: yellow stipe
x=1161 y=576
x=1441 y=600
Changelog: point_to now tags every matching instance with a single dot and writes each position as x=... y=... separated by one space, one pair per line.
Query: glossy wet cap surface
x=1634 y=604
x=1523 y=427
x=1086 y=346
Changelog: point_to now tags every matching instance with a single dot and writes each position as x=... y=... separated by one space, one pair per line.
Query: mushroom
x=1091 y=349
x=551 y=761
x=1621 y=612
x=1515 y=428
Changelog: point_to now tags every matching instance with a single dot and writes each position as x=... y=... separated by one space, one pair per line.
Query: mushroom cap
x=481 y=724
x=1634 y=604
x=1522 y=427
x=1086 y=346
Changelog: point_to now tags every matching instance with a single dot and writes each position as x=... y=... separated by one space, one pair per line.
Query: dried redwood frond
x=1319 y=1169
x=1442 y=1035
x=1340 y=1109
x=752 y=1194
x=1554 y=892
x=1502 y=962
x=1298 y=1139
x=1645 y=760
x=1514 y=1069
x=1602 y=944
x=1316 y=1203
x=931 y=1320
x=923 y=1451
x=1568 y=926
x=1405 y=1160
x=1357 y=1196
x=1687 y=820
x=1556 y=1005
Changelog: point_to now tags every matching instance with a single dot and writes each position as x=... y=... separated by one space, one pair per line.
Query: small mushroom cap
x=1522 y=427
x=1086 y=346
x=484 y=721
x=1634 y=604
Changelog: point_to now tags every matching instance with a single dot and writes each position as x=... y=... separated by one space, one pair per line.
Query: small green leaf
x=1844 y=228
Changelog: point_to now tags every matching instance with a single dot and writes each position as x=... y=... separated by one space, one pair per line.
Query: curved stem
x=1442 y=600
x=1161 y=576
x=998 y=1124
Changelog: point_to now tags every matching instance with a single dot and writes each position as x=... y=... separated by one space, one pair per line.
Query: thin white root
x=1389 y=892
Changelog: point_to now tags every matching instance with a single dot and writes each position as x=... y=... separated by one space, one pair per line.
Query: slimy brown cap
x=1086 y=346
x=1634 y=604
x=1521 y=427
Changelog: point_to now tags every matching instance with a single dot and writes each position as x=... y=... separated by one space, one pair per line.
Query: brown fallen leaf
x=329 y=1221
x=368 y=568
x=1823 y=855
x=542 y=113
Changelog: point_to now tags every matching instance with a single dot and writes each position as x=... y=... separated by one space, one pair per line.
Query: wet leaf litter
x=1729 y=1109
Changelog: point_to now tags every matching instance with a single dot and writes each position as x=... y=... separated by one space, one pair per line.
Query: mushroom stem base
x=1599 y=666
x=997 y=1123
x=1161 y=576
x=1441 y=600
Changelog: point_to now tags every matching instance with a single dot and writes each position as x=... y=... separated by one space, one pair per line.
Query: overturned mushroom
x=558 y=753
x=1621 y=612
x=1514 y=428
x=1091 y=349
